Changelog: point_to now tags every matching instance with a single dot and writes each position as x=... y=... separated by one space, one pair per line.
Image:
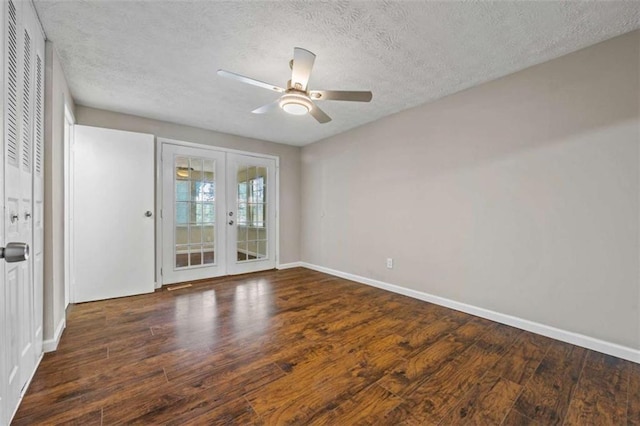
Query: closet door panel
x=37 y=213
x=21 y=176
x=25 y=203
x=4 y=416
x=12 y=194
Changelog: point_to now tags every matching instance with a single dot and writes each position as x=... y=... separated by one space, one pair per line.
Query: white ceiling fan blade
x=340 y=95
x=254 y=82
x=319 y=114
x=267 y=108
x=301 y=70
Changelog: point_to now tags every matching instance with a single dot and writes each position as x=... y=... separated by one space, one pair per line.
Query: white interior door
x=193 y=222
x=113 y=205
x=251 y=212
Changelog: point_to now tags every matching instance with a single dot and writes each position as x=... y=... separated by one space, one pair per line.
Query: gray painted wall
x=520 y=195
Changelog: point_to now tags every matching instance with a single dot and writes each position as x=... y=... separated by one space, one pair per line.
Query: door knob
x=148 y=213
x=14 y=217
x=27 y=215
x=230 y=222
x=15 y=252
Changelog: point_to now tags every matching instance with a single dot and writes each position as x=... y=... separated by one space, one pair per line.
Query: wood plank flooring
x=302 y=347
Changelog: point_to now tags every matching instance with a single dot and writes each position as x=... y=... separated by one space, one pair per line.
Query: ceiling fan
x=297 y=98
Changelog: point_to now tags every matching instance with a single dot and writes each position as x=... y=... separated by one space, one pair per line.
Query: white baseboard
x=577 y=339
x=290 y=265
x=52 y=344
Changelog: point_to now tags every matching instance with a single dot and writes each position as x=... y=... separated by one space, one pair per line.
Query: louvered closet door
x=4 y=416
x=23 y=100
x=14 y=272
x=25 y=205
x=37 y=214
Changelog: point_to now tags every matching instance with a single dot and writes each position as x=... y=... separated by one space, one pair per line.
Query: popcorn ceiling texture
x=158 y=59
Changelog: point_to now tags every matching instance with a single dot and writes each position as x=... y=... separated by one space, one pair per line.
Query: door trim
x=70 y=120
x=158 y=146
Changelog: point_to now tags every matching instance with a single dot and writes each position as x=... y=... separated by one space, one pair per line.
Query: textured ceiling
x=158 y=59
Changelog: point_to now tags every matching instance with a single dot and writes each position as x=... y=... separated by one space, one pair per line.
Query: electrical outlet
x=389 y=263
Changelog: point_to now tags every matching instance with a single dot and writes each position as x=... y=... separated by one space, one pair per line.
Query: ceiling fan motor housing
x=296 y=87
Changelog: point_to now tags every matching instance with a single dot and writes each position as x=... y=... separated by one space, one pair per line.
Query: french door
x=218 y=213
x=193 y=187
x=250 y=213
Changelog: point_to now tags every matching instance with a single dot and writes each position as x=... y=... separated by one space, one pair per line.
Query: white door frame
x=69 y=120
x=159 y=143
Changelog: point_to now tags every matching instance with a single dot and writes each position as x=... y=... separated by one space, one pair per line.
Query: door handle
x=27 y=215
x=15 y=252
x=14 y=217
x=231 y=222
x=148 y=213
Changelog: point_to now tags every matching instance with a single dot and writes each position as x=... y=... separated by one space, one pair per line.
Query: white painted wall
x=56 y=93
x=520 y=196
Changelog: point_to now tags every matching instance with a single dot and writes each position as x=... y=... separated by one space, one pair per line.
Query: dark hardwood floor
x=302 y=347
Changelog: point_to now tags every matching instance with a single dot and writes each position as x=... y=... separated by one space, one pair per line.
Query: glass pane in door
x=194 y=212
x=251 y=231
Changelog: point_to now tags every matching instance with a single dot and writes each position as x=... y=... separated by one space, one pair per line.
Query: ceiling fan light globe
x=295 y=104
x=295 y=108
